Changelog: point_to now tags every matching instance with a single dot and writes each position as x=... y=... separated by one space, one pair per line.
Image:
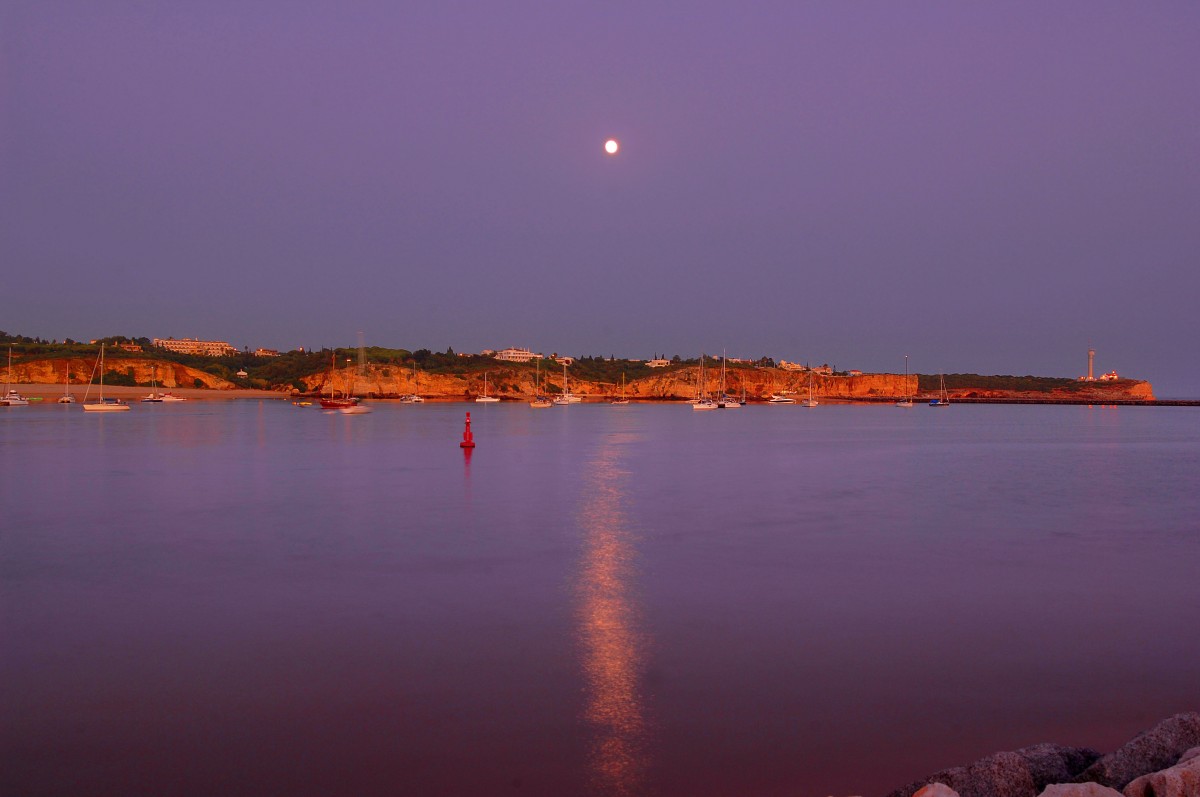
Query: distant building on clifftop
x=204 y=348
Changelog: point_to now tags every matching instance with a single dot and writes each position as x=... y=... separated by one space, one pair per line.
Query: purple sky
x=985 y=187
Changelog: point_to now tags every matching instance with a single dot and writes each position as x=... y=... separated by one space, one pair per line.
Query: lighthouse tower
x=1091 y=377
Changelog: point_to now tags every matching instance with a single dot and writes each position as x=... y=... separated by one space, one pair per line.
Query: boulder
x=936 y=790
x=1078 y=790
x=1020 y=773
x=1181 y=780
x=1149 y=751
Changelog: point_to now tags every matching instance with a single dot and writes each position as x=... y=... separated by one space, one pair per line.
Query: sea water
x=243 y=598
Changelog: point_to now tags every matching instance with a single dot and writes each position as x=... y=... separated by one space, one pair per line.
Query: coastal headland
x=465 y=379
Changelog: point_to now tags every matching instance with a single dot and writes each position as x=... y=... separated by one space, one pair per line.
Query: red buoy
x=468 y=440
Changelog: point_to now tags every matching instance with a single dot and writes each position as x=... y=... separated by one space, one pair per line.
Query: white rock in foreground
x=936 y=790
x=1079 y=790
x=1181 y=780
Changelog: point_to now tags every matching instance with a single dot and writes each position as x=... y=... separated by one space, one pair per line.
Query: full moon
x=611 y=146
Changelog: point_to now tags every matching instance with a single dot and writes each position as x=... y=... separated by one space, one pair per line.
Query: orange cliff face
x=167 y=374
x=509 y=381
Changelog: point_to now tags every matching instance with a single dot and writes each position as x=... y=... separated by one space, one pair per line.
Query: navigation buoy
x=468 y=440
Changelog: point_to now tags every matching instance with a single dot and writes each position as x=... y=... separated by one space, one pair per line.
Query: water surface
x=242 y=598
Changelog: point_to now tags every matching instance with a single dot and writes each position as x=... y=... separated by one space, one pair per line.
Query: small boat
x=11 y=397
x=810 y=401
x=943 y=399
x=907 y=400
x=415 y=396
x=102 y=404
x=302 y=403
x=154 y=396
x=567 y=396
x=540 y=401
x=66 y=397
x=778 y=399
x=485 y=398
x=171 y=397
x=702 y=401
x=333 y=402
x=355 y=409
x=622 y=401
x=726 y=401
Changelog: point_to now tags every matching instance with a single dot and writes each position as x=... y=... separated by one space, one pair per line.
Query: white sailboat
x=154 y=397
x=11 y=397
x=810 y=401
x=415 y=396
x=485 y=398
x=702 y=402
x=622 y=401
x=101 y=405
x=540 y=401
x=567 y=396
x=726 y=401
x=907 y=400
x=943 y=399
x=66 y=397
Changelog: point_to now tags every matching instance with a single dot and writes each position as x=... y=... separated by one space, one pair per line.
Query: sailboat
x=726 y=401
x=66 y=397
x=11 y=397
x=415 y=396
x=540 y=401
x=101 y=405
x=357 y=408
x=810 y=401
x=567 y=396
x=154 y=396
x=622 y=401
x=485 y=398
x=702 y=402
x=943 y=399
x=334 y=403
x=907 y=400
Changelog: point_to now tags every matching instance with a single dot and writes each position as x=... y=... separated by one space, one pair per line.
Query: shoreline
x=51 y=393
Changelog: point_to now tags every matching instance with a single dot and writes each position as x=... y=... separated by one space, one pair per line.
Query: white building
x=513 y=355
x=206 y=348
x=659 y=363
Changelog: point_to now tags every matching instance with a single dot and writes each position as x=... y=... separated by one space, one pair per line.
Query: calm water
x=252 y=598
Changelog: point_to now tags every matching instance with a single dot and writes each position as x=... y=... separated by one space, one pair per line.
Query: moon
x=612 y=146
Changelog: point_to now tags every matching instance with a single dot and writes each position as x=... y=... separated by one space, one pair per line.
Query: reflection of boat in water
x=103 y=404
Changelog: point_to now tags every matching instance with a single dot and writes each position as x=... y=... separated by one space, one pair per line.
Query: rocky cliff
x=79 y=369
x=518 y=383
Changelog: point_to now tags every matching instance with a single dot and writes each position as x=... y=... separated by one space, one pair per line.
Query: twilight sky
x=984 y=186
